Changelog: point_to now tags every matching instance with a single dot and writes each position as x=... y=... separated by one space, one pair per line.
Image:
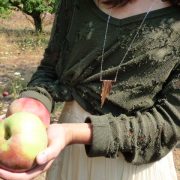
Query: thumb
x=42 y=157
x=48 y=154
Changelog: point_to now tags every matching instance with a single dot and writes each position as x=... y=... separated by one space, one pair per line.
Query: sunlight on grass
x=25 y=39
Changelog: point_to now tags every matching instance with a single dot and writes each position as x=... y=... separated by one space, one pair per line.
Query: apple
x=5 y=93
x=22 y=136
x=30 y=105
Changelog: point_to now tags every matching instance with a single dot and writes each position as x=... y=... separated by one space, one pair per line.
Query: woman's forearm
x=78 y=133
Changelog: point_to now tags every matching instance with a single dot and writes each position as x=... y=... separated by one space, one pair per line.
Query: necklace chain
x=107 y=84
x=128 y=49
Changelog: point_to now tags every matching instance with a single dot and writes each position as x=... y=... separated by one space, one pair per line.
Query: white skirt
x=73 y=163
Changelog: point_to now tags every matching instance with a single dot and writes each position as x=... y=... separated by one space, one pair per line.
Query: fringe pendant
x=106 y=88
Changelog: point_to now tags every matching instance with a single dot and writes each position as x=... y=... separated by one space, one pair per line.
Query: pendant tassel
x=106 y=88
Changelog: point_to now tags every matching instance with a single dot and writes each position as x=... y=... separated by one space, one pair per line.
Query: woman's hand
x=59 y=137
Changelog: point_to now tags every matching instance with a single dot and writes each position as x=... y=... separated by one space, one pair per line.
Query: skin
x=132 y=8
x=78 y=133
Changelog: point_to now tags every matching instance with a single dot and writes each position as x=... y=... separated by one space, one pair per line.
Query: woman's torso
x=154 y=52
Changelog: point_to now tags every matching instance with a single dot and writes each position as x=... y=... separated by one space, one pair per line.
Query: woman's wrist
x=78 y=133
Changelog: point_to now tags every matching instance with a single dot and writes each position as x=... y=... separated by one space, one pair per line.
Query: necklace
x=108 y=83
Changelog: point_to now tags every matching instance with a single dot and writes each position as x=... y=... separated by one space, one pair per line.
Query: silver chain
x=128 y=49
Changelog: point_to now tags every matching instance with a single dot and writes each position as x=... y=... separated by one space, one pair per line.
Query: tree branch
x=17 y=5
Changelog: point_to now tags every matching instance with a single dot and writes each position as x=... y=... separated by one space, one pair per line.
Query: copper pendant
x=106 y=88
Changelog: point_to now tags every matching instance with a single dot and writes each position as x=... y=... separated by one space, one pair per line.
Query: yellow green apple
x=22 y=136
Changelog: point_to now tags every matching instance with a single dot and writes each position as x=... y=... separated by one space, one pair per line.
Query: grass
x=20 y=50
x=24 y=39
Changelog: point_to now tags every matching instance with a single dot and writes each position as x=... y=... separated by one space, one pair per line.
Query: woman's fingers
x=39 y=170
x=25 y=175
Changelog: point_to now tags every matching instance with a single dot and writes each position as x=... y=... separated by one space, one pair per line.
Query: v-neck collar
x=134 y=18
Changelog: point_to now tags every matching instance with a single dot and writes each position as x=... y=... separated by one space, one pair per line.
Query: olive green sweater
x=141 y=117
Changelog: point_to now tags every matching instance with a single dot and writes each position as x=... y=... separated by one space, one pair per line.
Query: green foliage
x=30 y=6
x=33 y=8
x=4 y=8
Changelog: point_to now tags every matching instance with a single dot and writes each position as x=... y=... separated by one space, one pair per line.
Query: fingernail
x=42 y=158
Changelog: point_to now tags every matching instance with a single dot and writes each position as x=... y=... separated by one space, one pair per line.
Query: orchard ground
x=20 y=52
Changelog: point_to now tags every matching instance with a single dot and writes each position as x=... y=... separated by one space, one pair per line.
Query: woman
x=116 y=64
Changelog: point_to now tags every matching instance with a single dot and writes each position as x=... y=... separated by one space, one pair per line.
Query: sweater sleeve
x=145 y=137
x=43 y=84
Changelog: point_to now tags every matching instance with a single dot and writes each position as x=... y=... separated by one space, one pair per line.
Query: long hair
x=114 y=3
